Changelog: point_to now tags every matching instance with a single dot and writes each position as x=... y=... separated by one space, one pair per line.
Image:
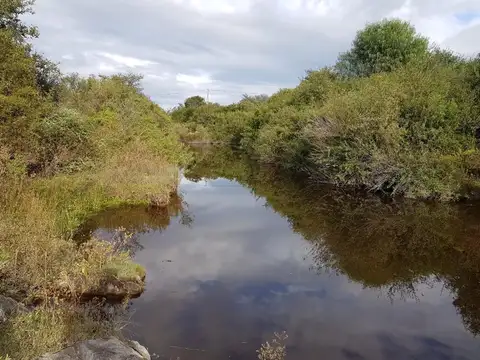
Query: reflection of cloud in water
x=221 y=315
x=220 y=243
x=239 y=274
x=190 y=185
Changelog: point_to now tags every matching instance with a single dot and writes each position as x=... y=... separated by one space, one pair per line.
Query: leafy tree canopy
x=10 y=14
x=194 y=102
x=382 y=47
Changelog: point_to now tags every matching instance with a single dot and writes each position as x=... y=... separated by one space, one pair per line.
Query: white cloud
x=128 y=61
x=194 y=80
x=216 y=6
x=230 y=46
x=106 y=68
x=314 y=7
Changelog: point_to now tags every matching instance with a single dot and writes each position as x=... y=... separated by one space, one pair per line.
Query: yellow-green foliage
x=282 y=140
x=120 y=114
x=97 y=155
x=404 y=132
x=132 y=176
x=20 y=103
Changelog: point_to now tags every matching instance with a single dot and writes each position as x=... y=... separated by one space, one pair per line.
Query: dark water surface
x=245 y=252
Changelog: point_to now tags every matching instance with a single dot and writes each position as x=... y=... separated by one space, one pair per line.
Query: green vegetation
x=394 y=115
x=382 y=47
x=69 y=147
x=47 y=327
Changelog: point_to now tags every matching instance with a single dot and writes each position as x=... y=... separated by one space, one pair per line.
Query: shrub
x=436 y=109
x=280 y=140
x=382 y=47
x=65 y=141
x=355 y=132
x=315 y=88
x=21 y=105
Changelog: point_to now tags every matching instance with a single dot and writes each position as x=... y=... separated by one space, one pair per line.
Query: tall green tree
x=24 y=75
x=382 y=47
x=47 y=74
x=20 y=102
x=194 y=102
x=11 y=12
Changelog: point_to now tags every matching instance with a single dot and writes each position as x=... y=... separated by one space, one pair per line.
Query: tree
x=382 y=47
x=194 y=102
x=20 y=103
x=11 y=12
x=255 y=98
x=48 y=75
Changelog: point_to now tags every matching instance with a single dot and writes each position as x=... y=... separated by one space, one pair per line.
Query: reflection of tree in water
x=124 y=241
x=392 y=246
x=127 y=222
x=186 y=218
x=466 y=286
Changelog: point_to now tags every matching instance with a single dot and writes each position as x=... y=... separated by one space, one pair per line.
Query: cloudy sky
x=232 y=47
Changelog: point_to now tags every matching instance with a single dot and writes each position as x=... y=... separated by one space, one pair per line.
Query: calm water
x=245 y=252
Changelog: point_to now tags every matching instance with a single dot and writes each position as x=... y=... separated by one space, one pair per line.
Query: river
x=244 y=252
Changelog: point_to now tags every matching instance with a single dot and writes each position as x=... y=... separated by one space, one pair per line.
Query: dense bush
x=382 y=47
x=391 y=116
x=21 y=105
x=64 y=140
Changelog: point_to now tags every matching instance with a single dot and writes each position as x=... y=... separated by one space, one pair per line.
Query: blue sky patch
x=467 y=16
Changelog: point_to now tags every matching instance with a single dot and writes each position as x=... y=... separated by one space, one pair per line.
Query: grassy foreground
x=69 y=147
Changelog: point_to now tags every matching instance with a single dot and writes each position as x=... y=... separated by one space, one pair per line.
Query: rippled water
x=245 y=252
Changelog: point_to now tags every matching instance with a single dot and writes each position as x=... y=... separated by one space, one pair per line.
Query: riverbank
x=39 y=260
x=70 y=147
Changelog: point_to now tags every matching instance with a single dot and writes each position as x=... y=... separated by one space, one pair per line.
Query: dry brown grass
x=38 y=258
x=274 y=349
x=53 y=327
x=35 y=254
x=140 y=175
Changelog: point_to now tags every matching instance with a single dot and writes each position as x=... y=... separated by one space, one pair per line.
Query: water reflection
x=381 y=244
x=347 y=276
x=135 y=219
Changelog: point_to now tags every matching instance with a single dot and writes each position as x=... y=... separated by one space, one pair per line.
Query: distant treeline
x=395 y=114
